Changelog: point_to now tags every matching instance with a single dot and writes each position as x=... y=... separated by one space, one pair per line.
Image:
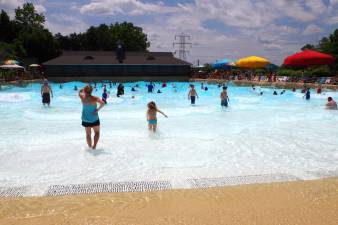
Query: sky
x=217 y=28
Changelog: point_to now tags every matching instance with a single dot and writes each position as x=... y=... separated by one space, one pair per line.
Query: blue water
x=255 y=135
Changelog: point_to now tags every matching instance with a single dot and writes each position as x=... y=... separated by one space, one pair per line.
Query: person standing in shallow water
x=224 y=97
x=307 y=94
x=151 y=116
x=192 y=94
x=90 y=117
x=46 y=93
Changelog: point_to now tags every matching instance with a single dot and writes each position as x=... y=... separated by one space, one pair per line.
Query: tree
x=329 y=45
x=28 y=17
x=99 y=38
x=40 y=44
x=133 y=37
x=7 y=31
x=308 y=47
x=104 y=38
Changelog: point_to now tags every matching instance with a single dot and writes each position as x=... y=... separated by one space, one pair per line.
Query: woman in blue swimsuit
x=90 y=116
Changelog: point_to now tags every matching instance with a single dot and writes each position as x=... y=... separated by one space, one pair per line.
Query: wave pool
x=267 y=134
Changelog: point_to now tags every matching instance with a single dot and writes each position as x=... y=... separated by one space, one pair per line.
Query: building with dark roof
x=104 y=65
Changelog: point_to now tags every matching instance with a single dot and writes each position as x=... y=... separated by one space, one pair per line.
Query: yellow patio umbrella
x=252 y=62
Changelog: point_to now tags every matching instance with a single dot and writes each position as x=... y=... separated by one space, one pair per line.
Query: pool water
x=255 y=135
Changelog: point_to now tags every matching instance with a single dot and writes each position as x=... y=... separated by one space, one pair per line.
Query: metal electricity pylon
x=182 y=45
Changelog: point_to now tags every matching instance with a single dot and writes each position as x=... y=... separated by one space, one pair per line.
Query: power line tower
x=182 y=45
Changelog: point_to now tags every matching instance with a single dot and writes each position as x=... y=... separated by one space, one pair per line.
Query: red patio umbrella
x=308 y=58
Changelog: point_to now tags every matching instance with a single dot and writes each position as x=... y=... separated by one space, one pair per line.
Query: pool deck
x=157 y=185
x=297 y=202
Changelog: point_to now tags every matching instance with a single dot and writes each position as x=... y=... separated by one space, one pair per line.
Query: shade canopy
x=223 y=63
x=11 y=67
x=308 y=58
x=252 y=62
x=11 y=62
x=34 y=65
x=271 y=66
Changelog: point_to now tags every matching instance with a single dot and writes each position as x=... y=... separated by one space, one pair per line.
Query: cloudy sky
x=218 y=28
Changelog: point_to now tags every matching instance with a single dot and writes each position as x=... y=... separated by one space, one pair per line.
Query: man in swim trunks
x=90 y=117
x=192 y=94
x=224 y=97
x=331 y=104
x=46 y=92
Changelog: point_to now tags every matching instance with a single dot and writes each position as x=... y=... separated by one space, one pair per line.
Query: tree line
x=26 y=36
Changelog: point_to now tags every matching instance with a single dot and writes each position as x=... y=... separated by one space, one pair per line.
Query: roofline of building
x=120 y=64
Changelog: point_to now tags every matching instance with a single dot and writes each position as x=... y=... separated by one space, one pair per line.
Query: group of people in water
x=91 y=105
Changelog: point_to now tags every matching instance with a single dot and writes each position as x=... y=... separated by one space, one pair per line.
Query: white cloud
x=316 y=6
x=312 y=29
x=333 y=20
x=333 y=2
x=40 y=8
x=10 y=4
x=65 y=24
x=131 y=7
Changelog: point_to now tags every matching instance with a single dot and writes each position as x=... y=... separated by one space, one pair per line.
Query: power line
x=182 y=45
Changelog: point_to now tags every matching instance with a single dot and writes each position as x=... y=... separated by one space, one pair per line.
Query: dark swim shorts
x=192 y=99
x=46 y=98
x=94 y=124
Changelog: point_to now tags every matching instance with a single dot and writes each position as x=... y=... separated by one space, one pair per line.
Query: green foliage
x=308 y=47
x=7 y=32
x=26 y=36
x=7 y=51
x=40 y=44
x=289 y=72
x=321 y=71
x=329 y=45
x=207 y=68
x=316 y=71
x=27 y=16
x=104 y=38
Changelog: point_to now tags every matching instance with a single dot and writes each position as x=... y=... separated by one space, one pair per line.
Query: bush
x=316 y=71
x=289 y=72
x=321 y=71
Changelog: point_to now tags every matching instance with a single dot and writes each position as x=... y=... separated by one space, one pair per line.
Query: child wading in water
x=192 y=94
x=151 y=116
x=224 y=97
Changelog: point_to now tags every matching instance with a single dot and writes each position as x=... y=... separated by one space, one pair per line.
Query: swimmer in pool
x=307 y=94
x=192 y=94
x=151 y=116
x=331 y=104
x=275 y=93
x=46 y=93
x=104 y=95
x=90 y=116
x=224 y=97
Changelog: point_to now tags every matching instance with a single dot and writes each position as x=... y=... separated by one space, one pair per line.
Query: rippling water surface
x=255 y=135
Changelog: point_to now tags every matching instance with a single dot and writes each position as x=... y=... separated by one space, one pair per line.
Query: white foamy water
x=255 y=135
